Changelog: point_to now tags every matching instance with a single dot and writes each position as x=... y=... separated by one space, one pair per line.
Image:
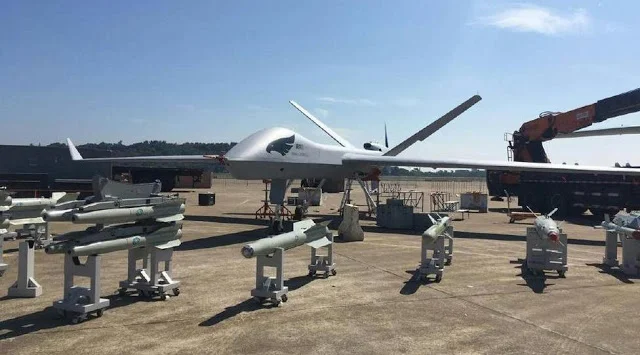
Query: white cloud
x=533 y=18
x=322 y=112
x=334 y=100
x=406 y=102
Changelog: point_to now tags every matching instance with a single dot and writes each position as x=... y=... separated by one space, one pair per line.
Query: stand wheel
x=284 y=298
x=438 y=278
x=326 y=274
x=122 y=292
x=561 y=273
x=311 y=274
x=260 y=300
x=176 y=291
x=333 y=272
x=145 y=294
x=100 y=312
x=164 y=297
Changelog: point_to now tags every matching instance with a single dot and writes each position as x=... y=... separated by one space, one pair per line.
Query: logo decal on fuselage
x=281 y=145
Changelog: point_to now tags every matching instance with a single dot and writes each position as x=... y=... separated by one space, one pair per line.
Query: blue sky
x=216 y=71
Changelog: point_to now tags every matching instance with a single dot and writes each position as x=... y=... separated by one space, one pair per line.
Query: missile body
x=111 y=239
x=627 y=225
x=137 y=241
x=546 y=228
x=437 y=229
x=122 y=215
x=267 y=246
x=58 y=215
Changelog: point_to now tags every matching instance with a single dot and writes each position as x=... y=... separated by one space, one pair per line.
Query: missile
x=58 y=215
x=122 y=215
x=74 y=247
x=623 y=224
x=304 y=232
x=9 y=235
x=437 y=229
x=547 y=228
x=140 y=241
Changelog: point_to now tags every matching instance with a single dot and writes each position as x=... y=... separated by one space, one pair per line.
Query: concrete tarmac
x=372 y=306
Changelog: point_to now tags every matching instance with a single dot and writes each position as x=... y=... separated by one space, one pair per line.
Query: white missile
x=304 y=232
x=122 y=215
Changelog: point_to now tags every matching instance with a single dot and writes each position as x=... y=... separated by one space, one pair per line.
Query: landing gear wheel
x=100 y=312
x=334 y=272
x=438 y=278
x=176 y=291
x=284 y=298
x=561 y=273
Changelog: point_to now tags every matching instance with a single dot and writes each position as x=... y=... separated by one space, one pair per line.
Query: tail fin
x=386 y=139
x=336 y=137
x=552 y=212
x=434 y=126
x=607 y=218
x=75 y=154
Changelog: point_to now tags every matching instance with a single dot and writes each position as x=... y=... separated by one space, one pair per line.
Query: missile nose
x=247 y=251
x=553 y=236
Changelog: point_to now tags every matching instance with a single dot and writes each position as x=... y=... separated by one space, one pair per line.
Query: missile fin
x=319 y=243
x=171 y=244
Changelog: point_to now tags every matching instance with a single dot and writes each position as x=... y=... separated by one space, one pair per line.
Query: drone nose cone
x=553 y=236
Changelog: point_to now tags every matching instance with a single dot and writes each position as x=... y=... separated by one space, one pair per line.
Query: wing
x=362 y=161
x=75 y=155
x=434 y=126
x=336 y=137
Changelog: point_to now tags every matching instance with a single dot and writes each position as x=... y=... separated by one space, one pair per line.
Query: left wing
x=358 y=160
x=75 y=155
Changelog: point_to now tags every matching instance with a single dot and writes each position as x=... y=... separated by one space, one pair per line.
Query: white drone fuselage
x=280 y=153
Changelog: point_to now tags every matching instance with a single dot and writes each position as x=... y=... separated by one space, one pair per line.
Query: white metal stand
x=267 y=287
x=611 y=249
x=544 y=254
x=26 y=286
x=3 y=266
x=435 y=255
x=151 y=279
x=323 y=263
x=79 y=302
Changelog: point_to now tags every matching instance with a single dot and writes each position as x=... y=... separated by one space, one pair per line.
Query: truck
x=572 y=194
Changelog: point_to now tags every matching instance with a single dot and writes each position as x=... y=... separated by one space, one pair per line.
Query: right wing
x=75 y=155
x=366 y=161
x=433 y=127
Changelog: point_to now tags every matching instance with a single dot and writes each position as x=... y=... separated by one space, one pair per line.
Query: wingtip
x=75 y=154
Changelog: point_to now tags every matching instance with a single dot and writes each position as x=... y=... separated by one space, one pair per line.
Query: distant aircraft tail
x=434 y=126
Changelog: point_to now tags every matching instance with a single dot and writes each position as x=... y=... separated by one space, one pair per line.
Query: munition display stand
x=79 y=301
x=26 y=285
x=267 y=287
x=3 y=266
x=151 y=279
x=544 y=254
x=630 y=253
x=39 y=232
x=323 y=263
x=436 y=254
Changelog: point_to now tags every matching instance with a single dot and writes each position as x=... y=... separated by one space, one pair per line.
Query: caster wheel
x=76 y=320
x=448 y=262
x=100 y=312
x=561 y=273
x=311 y=274
x=334 y=272
x=164 y=297
x=284 y=298
x=438 y=278
x=176 y=291
x=122 y=292
x=326 y=275
x=144 y=294
x=260 y=300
